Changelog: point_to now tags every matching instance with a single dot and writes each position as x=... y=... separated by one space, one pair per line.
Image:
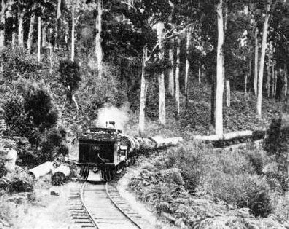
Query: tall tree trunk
x=220 y=70
x=30 y=33
x=188 y=39
x=200 y=74
x=20 y=29
x=43 y=35
x=171 y=70
x=285 y=80
x=261 y=69
x=245 y=84
x=58 y=24
x=161 y=77
x=72 y=33
x=2 y=28
x=76 y=105
x=268 y=83
x=98 y=48
x=256 y=63
x=213 y=102
x=39 y=40
x=143 y=90
x=177 y=77
x=13 y=40
x=228 y=93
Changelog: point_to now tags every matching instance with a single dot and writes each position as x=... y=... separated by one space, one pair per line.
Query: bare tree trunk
x=98 y=48
x=58 y=22
x=285 y=80
x=220 y=70
x=30 y=33
x=72 y=34
x=39 y=40
x=143 y=90
x=50 y=58
x=177 y=76
x=256 y=63
x=228 y=93
x=246 y=82
x=13 y=40
x=76 y=105
x=43 y=35
x=161 y=77
x=20 y=29
x=268 y=83
x=261 y=69
x=171 y=70
x=2 y=29
x=188 y=39
x=200 y=74
x=273 y=80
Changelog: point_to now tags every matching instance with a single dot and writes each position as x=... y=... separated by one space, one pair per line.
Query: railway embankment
x=193 y=186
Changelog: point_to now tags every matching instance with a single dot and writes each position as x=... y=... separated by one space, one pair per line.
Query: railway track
x=99 y=205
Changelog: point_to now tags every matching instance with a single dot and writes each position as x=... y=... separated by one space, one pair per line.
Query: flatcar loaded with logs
x=108 y=151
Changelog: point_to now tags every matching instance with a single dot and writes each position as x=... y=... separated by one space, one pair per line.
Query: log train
x=108 y=151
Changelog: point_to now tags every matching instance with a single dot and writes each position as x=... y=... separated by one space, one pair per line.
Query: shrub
x=39 y=109
x=17 y=181
x=15 y=118
x=189 y=160
x=277 y=145
x=17 y=62
x=69 y=76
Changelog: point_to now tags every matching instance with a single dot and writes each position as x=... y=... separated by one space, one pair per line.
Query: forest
x=167 y=67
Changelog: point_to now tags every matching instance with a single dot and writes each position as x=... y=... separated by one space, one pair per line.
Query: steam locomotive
x=108 y=151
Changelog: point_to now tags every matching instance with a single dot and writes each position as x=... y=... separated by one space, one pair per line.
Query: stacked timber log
x=233 y=139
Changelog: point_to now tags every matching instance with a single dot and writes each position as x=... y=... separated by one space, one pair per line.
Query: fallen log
x=227 y=136
x=41 y=170
x=233 y=138
x=164 y=142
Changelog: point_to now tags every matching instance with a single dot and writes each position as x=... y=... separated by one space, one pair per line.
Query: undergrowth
x=192 y=184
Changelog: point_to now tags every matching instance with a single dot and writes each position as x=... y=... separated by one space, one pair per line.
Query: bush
x=69 y=76
x=17 y=181
x=39 y=109
x=188 y=160
x=277 y=146
x=17 y=62
x=226 y=176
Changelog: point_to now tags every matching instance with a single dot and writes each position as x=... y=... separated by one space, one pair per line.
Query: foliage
x=69 y=76
x=15 y=117
x=17 y=181
x=51 y=146
x=158 y=66
x=39 y=109
x=16 y=62
x=277 y=146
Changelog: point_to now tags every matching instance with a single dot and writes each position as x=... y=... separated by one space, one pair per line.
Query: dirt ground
x=43 y=210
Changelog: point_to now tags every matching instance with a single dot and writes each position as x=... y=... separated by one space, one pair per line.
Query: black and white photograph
x=144 y=114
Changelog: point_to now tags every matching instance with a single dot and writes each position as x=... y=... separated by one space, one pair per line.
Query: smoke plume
x=118 y=115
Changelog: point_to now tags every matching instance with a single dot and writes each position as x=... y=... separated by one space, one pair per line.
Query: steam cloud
x=119 y=116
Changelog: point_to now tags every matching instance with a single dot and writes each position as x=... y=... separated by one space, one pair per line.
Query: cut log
x=228 y=136
x=41 y=170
